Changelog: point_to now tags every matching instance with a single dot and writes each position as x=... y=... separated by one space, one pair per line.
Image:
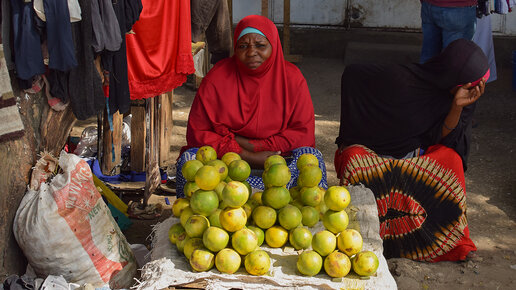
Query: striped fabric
x=11 y=126
x=256 y=182
x=421 y=201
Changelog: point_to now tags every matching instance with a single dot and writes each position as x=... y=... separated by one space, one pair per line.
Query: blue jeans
x=442 y=25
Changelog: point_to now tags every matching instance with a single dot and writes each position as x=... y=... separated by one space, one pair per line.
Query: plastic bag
x=65 y=228
x=87 y=146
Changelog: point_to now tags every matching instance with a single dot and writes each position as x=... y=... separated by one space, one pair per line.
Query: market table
x=168 y=267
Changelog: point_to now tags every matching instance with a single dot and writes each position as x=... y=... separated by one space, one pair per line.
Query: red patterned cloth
x=159 y=54
x=421 y=201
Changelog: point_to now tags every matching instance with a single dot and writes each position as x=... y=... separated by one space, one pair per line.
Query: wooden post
x=55 y=128
x=111 y=144
x=165 y=103
x=286 y=27
x=230 y=8
x=286 y=34
x=138 y=133
x=265 y=8
x=152 y=176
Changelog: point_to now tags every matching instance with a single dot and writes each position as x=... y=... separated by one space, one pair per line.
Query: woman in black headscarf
x=405 y=133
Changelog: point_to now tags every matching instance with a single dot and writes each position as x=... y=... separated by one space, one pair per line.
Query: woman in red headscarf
x=254 y=103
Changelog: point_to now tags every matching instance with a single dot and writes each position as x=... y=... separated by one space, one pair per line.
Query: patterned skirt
x=255 y=181
x=421 y=201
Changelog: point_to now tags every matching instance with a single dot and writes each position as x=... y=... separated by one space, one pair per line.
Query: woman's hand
x=257 y=159
x=463 y=96
x=244 y=143
x=467 y=95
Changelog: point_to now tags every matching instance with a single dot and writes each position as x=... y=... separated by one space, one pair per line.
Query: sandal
x=55 y=103
x=37 y=85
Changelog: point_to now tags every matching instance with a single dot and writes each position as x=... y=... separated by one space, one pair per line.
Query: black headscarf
x=394 y=109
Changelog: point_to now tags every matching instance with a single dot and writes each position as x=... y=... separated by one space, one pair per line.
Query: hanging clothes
x=84 y=83
x=74 y=10
x=483 y=37
x=59 y=36
x=28 y=58
x=159 y=54
x=211 y=23
x=115 y=62
x=132 y=11
x=483 y=8
x=106 y=29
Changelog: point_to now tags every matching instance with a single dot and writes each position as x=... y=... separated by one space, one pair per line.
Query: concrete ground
x=490 y=179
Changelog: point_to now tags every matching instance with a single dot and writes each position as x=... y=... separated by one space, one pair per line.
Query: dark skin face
x=253 y=49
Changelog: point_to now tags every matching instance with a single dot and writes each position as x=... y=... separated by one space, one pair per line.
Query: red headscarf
x=270 y=105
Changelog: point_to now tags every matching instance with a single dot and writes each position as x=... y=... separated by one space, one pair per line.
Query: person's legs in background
x=211 y=23
x=432 y=33
x=201 y=14
x=219 y=33
x=458 y=22
x=484 y=38
x=442 y=25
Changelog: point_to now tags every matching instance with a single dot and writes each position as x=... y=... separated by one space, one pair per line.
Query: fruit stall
x=226 y=234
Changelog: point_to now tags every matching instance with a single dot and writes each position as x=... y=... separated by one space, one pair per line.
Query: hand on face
x=253 y=49
x=468 y=94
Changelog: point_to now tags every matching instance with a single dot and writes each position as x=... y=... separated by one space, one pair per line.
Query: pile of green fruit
x=222 y=222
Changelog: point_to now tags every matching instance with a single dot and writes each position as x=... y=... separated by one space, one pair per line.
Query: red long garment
x=159 y=54
x=270 y=105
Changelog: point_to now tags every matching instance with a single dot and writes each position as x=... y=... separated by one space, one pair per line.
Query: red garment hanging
x=159 y=54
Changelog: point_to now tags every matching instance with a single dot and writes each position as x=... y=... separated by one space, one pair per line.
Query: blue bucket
x=514 y=70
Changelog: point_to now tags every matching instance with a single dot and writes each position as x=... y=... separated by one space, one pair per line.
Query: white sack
x=65 y=228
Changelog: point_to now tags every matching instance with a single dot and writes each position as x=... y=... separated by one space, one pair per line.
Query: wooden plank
x=55 y=128
x=165 y=129
x=230 y=14
x=197 y=81
x=265 y=8
x=138 y=134
x=127 y=186
x=286 y=34
x=152 y=174
x=286 y=27
x=111 y=144
x=230 y=8
x=197 y=284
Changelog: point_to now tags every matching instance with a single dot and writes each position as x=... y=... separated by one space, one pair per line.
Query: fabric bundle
x=11 y=126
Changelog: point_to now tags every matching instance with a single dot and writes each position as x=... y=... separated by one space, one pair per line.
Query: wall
x=384 y=14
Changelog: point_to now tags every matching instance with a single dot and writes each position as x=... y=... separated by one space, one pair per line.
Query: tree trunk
x=44 y=130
